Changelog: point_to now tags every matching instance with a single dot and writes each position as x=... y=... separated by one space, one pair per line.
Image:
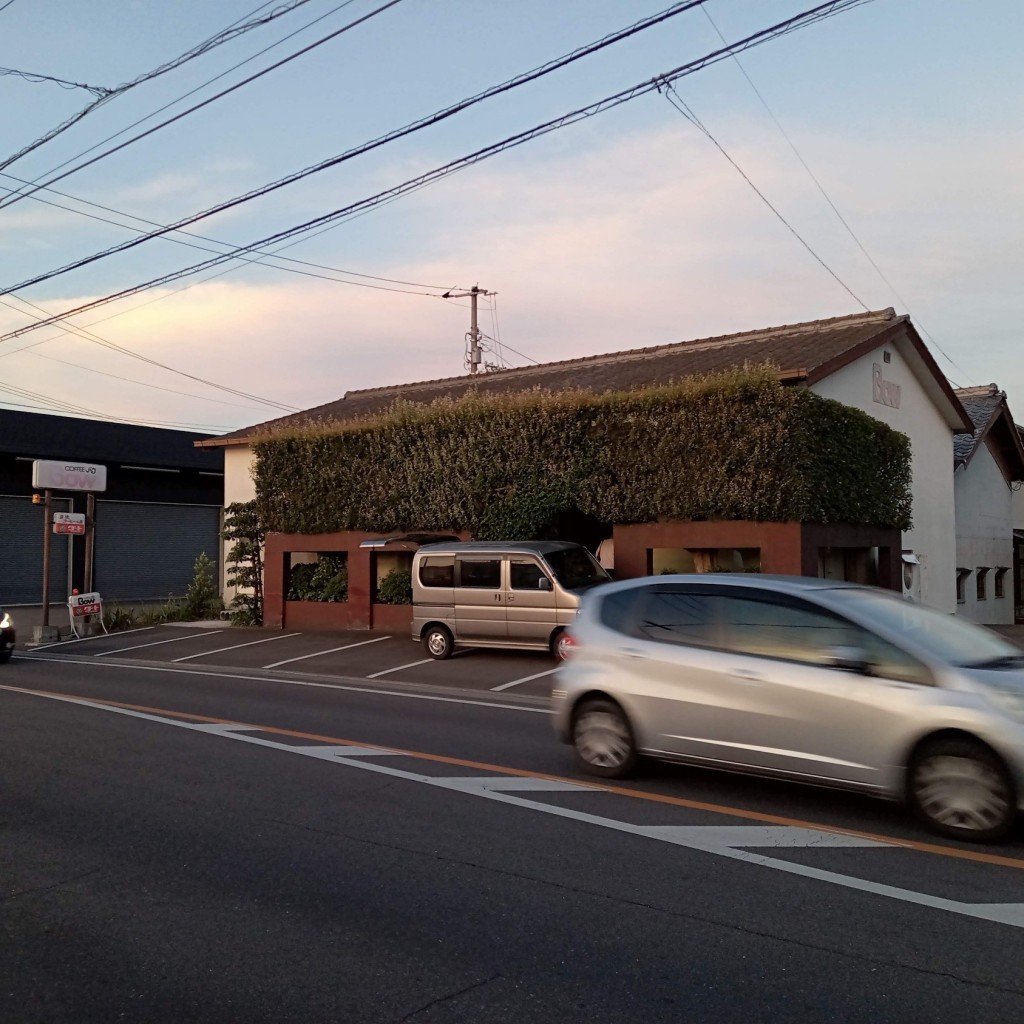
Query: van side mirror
x=848 y=659
x=543 y=583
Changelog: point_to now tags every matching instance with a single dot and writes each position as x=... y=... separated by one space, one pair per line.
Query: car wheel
x=603 y=739
x=438 y=642
x=959 y=788
x=562 y=645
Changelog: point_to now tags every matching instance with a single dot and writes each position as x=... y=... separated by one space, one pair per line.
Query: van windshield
x=575 y=567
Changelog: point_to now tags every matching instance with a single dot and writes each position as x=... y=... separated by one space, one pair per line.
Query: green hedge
x=729 y=446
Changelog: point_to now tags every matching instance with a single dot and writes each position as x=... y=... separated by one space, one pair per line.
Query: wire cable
x=406 y=130
x=37 y=79
x=828 y=199
x=198 y=106
x=234 y=30
x=656 y=84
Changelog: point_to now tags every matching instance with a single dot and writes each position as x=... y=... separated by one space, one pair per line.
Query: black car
x=6 y=636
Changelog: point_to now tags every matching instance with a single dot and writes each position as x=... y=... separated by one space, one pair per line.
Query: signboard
x=68 y=476
x=85 y=604
x=69 y=522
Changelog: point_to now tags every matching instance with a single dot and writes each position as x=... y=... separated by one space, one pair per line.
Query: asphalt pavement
x=186 y=842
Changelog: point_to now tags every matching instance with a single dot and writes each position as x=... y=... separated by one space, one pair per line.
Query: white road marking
x=99 y=636
x=714 y=837
x=398 y=668
x=251 y=643
x=1011 y=914
x=157 y=643
x=331 y=753
x=525 y=679
x=514 y=783
x=332 y=650
x=189 y=671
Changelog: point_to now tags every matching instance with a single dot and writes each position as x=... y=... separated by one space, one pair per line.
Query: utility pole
x=474 y=352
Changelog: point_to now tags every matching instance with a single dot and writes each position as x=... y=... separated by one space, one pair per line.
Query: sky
x=629 y=229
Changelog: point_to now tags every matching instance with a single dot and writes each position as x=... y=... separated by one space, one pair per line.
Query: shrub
x=244 y=562
x=395 y=587
x=325 y=580
x=202 y=599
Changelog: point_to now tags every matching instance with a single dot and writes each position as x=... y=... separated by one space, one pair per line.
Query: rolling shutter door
x=21 y=562
x=148 y=551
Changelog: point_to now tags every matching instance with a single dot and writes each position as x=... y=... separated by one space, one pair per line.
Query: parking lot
x=389 y=658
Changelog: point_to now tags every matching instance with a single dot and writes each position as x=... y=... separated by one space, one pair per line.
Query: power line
x=658 y=83
x=198 y=106
x=677 y=102
x=37 y=79
x=6 y=5
x=828 y=199
x=408 y=129
x=235 y=29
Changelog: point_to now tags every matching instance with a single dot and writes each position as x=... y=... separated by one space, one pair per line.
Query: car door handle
x=744 y=675
x=632 y=652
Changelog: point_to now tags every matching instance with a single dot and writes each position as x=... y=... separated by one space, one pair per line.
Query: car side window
x=890 y=662
x=791 y=630
x=482 y=573
x=679 y=617
x=525 y=575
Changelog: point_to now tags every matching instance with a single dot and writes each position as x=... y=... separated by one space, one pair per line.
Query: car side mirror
x=848 y=659
x=543 y=583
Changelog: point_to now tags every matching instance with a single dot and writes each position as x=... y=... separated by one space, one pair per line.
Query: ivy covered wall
x=730 y=446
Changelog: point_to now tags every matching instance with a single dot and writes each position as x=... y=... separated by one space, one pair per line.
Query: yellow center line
x=483 y=766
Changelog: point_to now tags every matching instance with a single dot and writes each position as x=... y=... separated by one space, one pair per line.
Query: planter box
x=395 y=618
x=324 y=616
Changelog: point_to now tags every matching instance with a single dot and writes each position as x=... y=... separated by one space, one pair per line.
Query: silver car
x=812 y=680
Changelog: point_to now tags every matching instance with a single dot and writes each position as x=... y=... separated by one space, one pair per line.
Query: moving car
x=7 y=637
x=823 y=682
x=513 y=594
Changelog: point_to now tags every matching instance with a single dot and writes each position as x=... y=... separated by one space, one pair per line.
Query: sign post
x=49 y=476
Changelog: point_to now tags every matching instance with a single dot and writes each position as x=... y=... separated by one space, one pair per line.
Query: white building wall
x=984 y=507
x=933 y=537
x=239 y=485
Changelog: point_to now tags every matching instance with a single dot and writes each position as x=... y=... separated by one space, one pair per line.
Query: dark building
x=162 y=508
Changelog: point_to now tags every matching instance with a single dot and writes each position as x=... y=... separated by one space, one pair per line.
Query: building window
x=961 y=585
x=981 y=580
x=1000 y=586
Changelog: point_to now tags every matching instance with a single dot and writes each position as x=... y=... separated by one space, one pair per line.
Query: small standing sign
x=69 y=522
x=81 y=605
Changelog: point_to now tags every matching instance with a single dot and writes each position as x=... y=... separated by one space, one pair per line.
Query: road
x=195 y=845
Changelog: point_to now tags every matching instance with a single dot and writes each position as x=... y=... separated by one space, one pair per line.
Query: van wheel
x=438 y=642
x=603 y=739
x=961 y=789
x=562 y=645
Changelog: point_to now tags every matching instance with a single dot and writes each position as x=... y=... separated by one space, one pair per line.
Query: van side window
x=438 y=571
x=485 y=573
x=525 y=575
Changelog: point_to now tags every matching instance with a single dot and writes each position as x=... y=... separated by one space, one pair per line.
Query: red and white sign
x=85 y=604
x=68 y=476
x=69 y=522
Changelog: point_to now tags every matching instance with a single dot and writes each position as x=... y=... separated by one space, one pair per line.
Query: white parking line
x=398 y=668
x=99 y=636
x=251 y=643
x=157 y=643
x=525 y=679
x=316 y=654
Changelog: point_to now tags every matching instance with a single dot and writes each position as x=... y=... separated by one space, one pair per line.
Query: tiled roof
x=798 y=350
x=981 y=404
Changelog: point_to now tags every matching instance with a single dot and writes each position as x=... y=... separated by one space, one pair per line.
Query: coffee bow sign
x=68 y=476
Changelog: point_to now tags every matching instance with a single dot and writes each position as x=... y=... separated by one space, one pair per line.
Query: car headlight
x=1008 y=699
x=6 y=621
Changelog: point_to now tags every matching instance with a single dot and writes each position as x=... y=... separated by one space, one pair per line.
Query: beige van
x=512 y=594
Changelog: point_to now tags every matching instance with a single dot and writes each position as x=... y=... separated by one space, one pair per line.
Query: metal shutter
x=148 y=551
x=21 y=553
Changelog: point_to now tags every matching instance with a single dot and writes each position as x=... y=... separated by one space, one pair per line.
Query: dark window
x=525 y=575
x=438 y=571
x=1000 y=586
x=575 y=567
x=618 y=610
x=961 y=585
x=485 y=574
x=981 y=579
x=790 y=630
x=679 y=617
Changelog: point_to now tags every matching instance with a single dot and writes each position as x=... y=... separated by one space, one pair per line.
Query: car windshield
x=949 y=638
x=575 y=567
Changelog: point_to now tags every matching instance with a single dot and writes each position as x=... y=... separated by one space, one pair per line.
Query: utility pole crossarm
x=474 y=352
